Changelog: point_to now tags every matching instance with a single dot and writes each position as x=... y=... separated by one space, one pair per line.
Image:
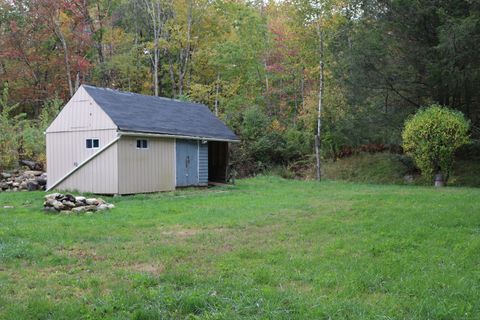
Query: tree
x=10 y=125
x=321 y=90
x=33 y=145
x=432 y=136
x=159 y=12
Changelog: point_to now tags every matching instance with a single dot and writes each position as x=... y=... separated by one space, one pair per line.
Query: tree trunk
x=172 y=77
x=155 y=67
x=77 y=81
x=185 y=53
x=302 y=85
x=154 y=11
x=156 y=52
x=318 y=140
x=439 y=181
x=295 y=102
x=68 y=70
x=217 y=86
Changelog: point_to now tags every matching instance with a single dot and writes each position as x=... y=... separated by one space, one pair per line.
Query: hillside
x=387 y=168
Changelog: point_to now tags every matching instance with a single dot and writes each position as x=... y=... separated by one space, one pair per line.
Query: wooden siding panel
x=146 y=170
x=100 y=175
x=65 y=150
x=81 y=113
x=203 y=163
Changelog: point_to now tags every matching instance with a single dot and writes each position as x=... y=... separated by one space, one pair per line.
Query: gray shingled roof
x=149 y=114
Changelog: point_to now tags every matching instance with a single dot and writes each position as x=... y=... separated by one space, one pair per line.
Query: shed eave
x=166 y=135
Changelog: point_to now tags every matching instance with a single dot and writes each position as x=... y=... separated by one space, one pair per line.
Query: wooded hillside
x=254 y=63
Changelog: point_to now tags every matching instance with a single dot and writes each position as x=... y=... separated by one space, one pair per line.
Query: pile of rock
x=67 y=203
x=29 y=180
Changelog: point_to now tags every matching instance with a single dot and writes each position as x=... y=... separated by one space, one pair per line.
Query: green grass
x=266 y=248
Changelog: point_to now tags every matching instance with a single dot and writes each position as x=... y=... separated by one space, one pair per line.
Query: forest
x=262 y=66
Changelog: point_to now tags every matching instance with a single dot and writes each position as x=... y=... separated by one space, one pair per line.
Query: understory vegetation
x=265 y=248
x=388 y=168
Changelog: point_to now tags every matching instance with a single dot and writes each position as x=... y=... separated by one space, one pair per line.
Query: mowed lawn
x=266 y=248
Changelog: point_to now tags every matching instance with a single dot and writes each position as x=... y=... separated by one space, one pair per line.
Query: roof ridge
x=140 y=94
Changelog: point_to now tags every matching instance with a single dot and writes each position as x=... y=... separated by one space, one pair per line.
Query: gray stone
x=49 y=209
x=32 y=173
x=69 y=197
x=110 y=205
x=79 y=209
x=42 y=181
x=6 y=175
x=23 y=185
x=58 y=205
x=91 y=208
x=69 y=204
x=91 y=201
x=32 y=185
x=8 y=207
x=15 y=184
x=32 y=165
x=102 y=207
x=52 y=196
x=80 y=199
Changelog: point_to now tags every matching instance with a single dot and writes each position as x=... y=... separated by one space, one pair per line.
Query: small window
x=142 y=144
x=93 y=144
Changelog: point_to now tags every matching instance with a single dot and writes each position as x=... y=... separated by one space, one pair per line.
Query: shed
x=111 y=142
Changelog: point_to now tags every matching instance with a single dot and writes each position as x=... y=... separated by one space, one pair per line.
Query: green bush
x=10 y=132
x=266 y=143
x=432 y=136
x=33 y=138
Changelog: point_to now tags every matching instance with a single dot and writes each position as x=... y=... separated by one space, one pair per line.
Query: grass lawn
x=266 y=248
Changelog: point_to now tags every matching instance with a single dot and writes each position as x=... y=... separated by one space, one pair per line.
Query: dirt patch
x=225 y=248
x=145 y=267
x=181 y=233
x=186 y=233
x=81 y=253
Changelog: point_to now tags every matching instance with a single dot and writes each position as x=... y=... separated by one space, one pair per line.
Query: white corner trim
x=83 y=163
x=198 y=161
x=175 y=162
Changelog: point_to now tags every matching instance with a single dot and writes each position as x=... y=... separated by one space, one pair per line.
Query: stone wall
x=19 y=180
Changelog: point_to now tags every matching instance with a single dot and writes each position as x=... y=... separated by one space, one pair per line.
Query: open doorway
x=217 y=161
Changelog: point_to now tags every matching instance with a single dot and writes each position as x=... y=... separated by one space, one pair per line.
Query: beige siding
x=81 y=113
x=66 y=150
x=100 y=175
x=146 y=170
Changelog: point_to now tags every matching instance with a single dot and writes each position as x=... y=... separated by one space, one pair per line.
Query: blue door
x=187 y=162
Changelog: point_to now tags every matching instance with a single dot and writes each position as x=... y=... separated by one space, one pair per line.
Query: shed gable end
x=81 y=113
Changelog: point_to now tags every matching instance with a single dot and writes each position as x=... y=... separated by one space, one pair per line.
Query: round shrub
x=432 y=136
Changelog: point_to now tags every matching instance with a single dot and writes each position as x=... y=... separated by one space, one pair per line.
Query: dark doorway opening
x=217 y=161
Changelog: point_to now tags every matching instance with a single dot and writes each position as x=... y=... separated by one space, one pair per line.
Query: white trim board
x=161 y=135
